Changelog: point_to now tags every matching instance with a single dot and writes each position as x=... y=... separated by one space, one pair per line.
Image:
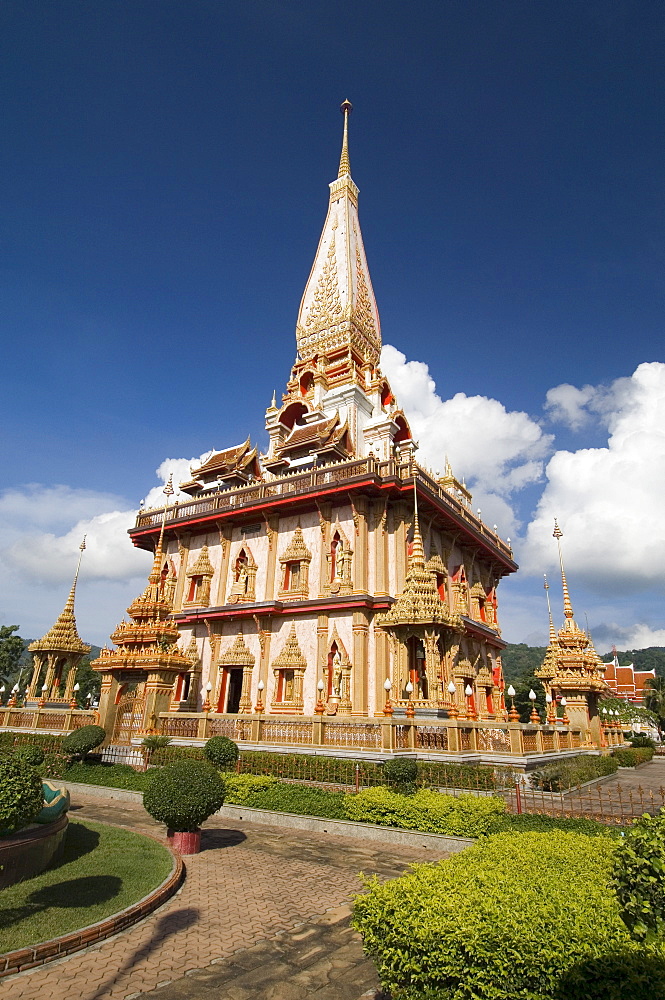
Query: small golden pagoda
x=57 y=655
x=141 y=677
x=571 y=668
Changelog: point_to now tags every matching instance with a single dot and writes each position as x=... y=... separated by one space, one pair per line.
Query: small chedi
x=572 y=671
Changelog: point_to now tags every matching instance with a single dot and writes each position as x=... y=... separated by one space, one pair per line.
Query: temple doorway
x=231 y=690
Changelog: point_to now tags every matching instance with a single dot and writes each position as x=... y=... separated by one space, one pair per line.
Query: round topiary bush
x=184 y=794
x=21 y=795
x=400 y=771
x=83 y=740
x=32 y=755
x=221 y=751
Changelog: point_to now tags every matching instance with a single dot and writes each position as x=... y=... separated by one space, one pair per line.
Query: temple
x=329 y=579
x=572 y=672
x=626 y=682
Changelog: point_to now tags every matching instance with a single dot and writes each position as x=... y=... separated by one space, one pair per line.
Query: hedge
x=240 y=788
x=569 y=774
x=21 y=794
x=631 y=757
x=639 y=866
x=524 y=916
x=428 y=811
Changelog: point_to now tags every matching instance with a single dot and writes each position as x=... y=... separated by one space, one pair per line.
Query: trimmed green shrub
x=221 y=751
x=83 y=740
x=241 y=787
x=629 y=757
x=21 y=795
x=536 y=822
x=515 y=917
x=429 y=811
x=170 y=754
x=400 y=773
x=32 y=755
x=570 y=774
x=302 y=800
x=184 y=794
x=111 y=775
x=639 y=878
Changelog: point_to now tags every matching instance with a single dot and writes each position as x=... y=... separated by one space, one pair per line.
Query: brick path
x=259 y=894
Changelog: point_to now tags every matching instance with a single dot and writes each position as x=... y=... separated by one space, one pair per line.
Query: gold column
x=264 y=632
x=225 y=541
x=322 y=652
x=382 y=669
x=360 y=554
x=183 y=550
x=245 y=706
x=399 y=546
x=360 y=662
x=380 y=549
x=325 y=515
x=272 y=526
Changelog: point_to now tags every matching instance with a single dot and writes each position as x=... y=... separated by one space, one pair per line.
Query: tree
x=654 y=700
x=11 y=651
x=628 y=713
x=89 y=682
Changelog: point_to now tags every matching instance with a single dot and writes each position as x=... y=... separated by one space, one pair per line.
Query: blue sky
x=165 y=170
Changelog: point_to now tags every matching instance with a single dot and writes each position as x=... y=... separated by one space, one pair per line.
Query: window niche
x=339 y=559
x=243 y=588
x=289 y=670
x=199 y=578
x=295 y=568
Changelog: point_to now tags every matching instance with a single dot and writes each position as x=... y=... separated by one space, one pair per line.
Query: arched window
x=306 y=383
x=403 y=432
x=386 y=396
x=293 y=414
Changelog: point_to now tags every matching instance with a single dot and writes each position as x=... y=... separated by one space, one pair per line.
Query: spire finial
x=417 y=548
x=344 y=166
x=549 y=610
x=567 y=606
x=156 y=572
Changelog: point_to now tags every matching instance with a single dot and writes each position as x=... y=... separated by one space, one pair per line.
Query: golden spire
x=156 y=572
x=567 y=606
x=63 y=635
x=344 y=166
x=417 y=560
x=549 y=610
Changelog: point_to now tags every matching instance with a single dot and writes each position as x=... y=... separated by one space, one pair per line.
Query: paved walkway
x=263 y=914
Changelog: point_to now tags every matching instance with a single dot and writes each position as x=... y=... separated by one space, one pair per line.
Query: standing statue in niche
x=337 y=674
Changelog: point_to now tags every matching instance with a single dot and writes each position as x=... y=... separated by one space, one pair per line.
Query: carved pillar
x=272 y=526
x=264 y=632
x=399 y=546
x=183 y=552
x=381 y=580
x=245 y=706
x=382 y=670
x=361 y=552
x=322 y=652
x=360 y=662
x=225 y=542
x=325 y=515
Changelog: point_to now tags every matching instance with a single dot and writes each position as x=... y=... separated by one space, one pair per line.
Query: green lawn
x=103 y=870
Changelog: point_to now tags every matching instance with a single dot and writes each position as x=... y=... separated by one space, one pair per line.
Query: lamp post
x=535 y=717
x=320 y=706
x=513 y=714
x=410 y=710
x=12 y=701
x=470 y=710
x=452 y=711
x=2 y=694
x=387 y=708
x=565 y=720
x=258 y=708
x=77 y=688
x=206 y=704
x=42 y=700
x=551 y=716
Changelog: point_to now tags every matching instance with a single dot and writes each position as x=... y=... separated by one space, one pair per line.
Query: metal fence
x=606 y=802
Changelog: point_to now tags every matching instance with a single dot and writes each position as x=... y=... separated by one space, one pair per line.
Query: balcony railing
x=433 y=736
x=341 y=472
x=52 y=720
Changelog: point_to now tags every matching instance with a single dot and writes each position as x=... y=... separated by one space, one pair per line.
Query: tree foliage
x=11 y=651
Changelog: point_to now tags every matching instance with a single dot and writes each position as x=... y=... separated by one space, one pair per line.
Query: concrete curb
x=23 y=959
x=313 y=824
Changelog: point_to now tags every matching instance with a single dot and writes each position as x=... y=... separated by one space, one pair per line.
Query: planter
x=184 y=841
x=28 y=852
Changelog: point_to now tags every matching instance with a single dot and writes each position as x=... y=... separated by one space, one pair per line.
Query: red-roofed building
x=626 y=682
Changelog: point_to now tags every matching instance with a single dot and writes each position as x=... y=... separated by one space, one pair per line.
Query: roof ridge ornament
x=344 y=165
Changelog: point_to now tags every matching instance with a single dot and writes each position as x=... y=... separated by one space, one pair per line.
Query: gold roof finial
x=417 y=549
x=344 y=166
x=156 y=571
x=567 y=606
x=549 y=610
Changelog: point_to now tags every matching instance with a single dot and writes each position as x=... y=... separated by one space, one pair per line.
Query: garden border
x=22 y=959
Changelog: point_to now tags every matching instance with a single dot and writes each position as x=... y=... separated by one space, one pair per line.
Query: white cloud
x=499 y=451
x=639 y=636
x=610 y=501
x=180 y=469
x=568 y=405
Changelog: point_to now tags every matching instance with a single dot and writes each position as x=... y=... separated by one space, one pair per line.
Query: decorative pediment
x=192 y=652
x=237 y=655
x=291 y=657
x=202 y=566
x=435 y=565
x=335 y=640
x=296 y=551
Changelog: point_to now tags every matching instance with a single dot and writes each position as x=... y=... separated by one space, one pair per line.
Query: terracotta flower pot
x=184 y=841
